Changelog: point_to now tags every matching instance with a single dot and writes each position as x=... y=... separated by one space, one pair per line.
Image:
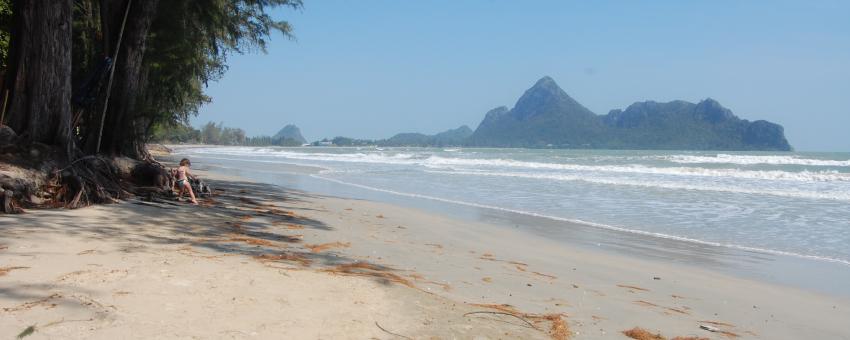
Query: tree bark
x=121 y=134
x=40 y=73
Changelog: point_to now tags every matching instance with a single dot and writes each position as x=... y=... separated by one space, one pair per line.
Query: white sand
x=133 y=271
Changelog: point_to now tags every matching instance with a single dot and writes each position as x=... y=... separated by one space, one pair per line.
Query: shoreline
x=607 y=274
x=776 y=267
x=432 y=267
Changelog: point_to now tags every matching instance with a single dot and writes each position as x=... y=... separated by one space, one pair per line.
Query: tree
x=187 y=45
x=40 y=73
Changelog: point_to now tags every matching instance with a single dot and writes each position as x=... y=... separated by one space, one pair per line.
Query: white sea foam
x=439 y=162
x=806 y=176
x=592 y=224
x=753 y=160
x=839 y=195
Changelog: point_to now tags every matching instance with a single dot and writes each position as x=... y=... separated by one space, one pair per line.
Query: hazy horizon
x=374 y=71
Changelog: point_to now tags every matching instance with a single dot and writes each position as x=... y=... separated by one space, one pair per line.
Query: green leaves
x=188 y=47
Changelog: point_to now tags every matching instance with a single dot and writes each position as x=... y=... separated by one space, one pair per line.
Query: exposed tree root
x=37 y=176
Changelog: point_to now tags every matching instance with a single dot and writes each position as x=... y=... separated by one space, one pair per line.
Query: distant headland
x=547 y=117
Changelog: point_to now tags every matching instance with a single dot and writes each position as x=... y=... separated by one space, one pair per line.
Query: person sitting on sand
x=183 y=180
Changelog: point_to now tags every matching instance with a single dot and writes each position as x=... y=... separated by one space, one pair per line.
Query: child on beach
x=183 y=180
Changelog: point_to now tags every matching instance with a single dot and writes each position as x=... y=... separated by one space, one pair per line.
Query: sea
x=793 y=204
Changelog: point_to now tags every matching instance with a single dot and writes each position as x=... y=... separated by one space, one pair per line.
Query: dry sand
x=257 y=261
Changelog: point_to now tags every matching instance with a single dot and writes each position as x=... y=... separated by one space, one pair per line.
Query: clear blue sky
x=371 y=68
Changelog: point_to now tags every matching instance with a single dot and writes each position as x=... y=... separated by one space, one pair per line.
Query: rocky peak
x=290 y=132
x=546 y=97
x=711 y=110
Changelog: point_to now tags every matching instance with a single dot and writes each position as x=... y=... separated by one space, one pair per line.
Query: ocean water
x=795 y=204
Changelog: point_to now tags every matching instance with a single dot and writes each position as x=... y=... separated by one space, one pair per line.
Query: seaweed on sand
x=366 y=269
x=558 y=328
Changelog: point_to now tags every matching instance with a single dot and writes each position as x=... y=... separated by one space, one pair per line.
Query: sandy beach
x=261 y=261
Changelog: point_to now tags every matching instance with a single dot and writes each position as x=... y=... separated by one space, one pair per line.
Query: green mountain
x=453 y=137
x=545 y=116
x=290 y=132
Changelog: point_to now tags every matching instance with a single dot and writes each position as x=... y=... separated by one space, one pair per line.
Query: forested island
x=545 y=116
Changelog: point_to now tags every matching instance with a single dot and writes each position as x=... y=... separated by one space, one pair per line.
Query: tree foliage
x=169 y=52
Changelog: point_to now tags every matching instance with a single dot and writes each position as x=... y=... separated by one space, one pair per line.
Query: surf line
x=593 y=224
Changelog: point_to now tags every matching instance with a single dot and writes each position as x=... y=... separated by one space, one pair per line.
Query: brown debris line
x=418 y=278
x=86 y=252
x=286 y=256
x=633 y=287
x=680 y=311
x=6 y=270
x=544 y=275
x=503 y=307
x=487 y=279
x=245 y=217
x=31 y=304
x=646 y=303
x=642 y=334
x=438 y=246
x=252 y=241
x=366 y=269
x=3 y=246
x=516 y=263
x=294 y=226
x=558 y=330
x=717 y=323
x=380 y=216
x=650 y=304
x=520 y=268
x=318 y=248
x=638 y=333
x=489 y=257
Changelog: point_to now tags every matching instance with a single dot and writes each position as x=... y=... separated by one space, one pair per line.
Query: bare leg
x=180 y=195
x=191 y=193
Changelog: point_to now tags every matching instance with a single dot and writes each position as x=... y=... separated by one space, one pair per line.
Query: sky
x=374 y=68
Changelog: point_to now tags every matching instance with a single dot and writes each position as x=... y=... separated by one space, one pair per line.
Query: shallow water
x=795 y=204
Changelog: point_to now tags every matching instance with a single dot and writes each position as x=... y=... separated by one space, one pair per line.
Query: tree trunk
x=40 y=72
x=121 y=133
